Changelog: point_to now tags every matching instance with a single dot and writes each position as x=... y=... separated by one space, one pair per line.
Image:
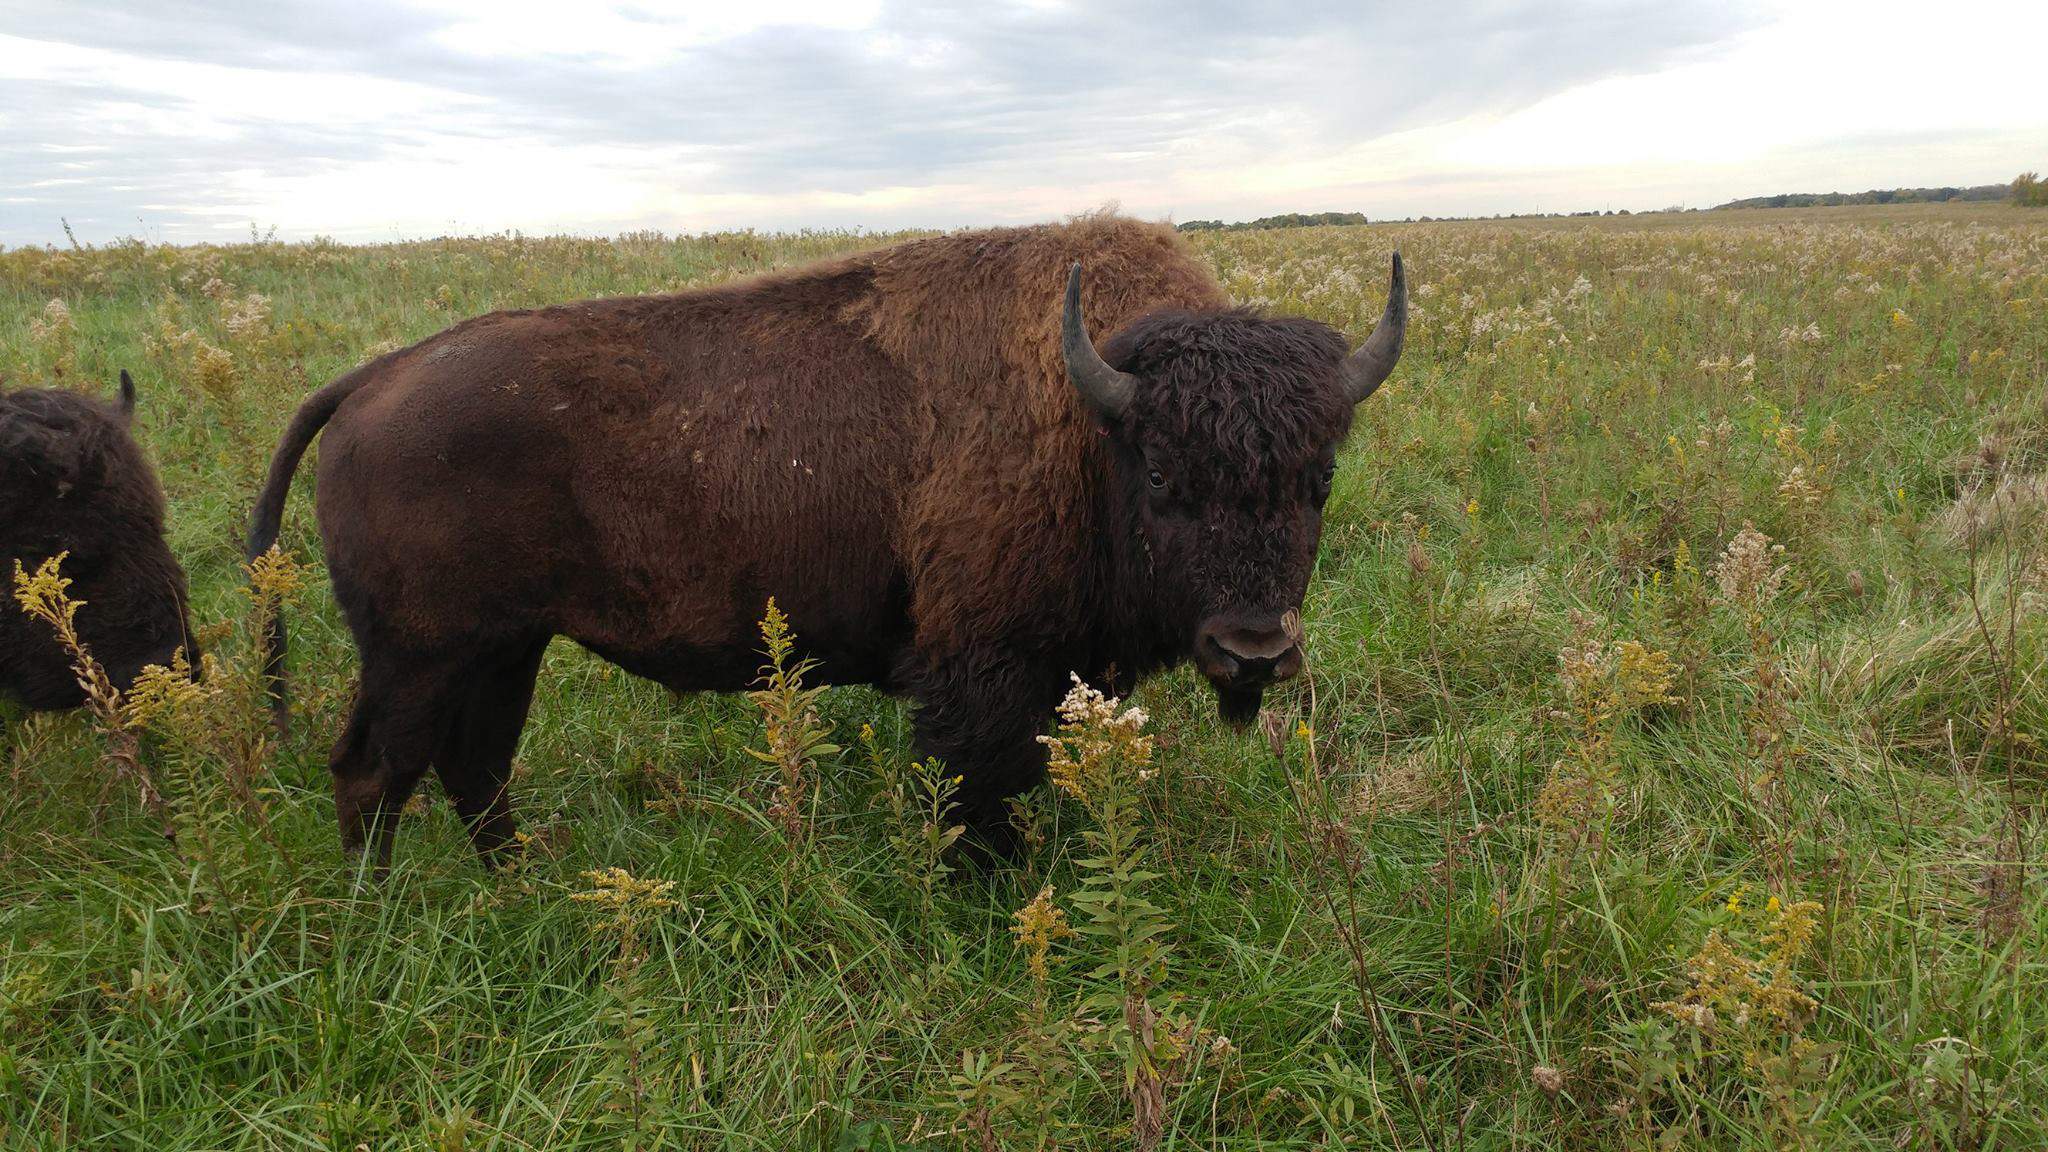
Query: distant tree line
x=1285 y=220
x=2027 y=188
x=1879 y=196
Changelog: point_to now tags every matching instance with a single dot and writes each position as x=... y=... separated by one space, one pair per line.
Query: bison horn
x=1107 y=391
x=127 y=395
x=1369 y=367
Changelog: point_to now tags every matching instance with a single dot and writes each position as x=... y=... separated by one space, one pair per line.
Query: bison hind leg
x=478 y=739
x=406 y=708
x=391 y=733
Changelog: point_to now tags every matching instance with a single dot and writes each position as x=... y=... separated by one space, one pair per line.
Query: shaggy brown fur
x=73 y=480
x=887 y=443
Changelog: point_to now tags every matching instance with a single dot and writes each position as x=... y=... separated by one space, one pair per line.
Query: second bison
x=74 y=483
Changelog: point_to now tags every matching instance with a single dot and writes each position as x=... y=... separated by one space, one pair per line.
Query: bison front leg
x=985 y=726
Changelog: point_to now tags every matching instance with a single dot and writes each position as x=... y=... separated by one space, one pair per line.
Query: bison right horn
x=1107 y=391
x=1369 y=367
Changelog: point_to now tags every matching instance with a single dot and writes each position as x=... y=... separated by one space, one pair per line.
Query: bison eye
x=1156 y=478
x=1325 y=480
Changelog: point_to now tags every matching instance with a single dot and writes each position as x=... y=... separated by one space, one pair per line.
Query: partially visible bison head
x=1225 y=428
x=73 y=480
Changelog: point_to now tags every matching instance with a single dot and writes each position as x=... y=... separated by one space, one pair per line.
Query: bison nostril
x=1250 y=657
x=1255 y=647
x=1219 y=655
x=1260 y=669
x=1253 y=654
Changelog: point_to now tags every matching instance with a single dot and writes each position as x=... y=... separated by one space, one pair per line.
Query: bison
x=918 y=451
x=73 y=481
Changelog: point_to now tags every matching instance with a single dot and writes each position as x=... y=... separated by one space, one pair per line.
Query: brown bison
x=918 y=451
x=72 y=480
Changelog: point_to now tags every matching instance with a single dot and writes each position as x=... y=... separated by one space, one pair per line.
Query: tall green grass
x=1473 y=883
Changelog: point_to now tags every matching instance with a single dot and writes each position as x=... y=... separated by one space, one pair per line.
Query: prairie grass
x=1667 y=772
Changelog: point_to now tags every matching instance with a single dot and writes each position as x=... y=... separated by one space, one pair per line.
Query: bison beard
x=916 y=450
x=1239 y=706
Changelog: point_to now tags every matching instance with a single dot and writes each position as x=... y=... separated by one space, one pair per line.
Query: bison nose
x=1250 y=655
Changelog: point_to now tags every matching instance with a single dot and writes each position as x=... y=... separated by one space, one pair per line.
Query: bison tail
x=268 y=517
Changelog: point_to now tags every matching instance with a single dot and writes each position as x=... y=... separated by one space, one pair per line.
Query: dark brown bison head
x=1225 y=428
x=72 y=480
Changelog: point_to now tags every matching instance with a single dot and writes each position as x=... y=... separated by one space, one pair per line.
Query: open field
x=1597 y=822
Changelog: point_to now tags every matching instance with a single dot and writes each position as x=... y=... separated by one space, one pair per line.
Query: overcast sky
x=186 y=120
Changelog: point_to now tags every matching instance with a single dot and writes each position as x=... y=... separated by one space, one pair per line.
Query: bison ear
x=127 y=397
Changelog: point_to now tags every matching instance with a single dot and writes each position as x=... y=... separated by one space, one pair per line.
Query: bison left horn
x=1366 y=369
x=1107 y=391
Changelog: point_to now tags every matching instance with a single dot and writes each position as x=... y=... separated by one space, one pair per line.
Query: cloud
x=187 y=120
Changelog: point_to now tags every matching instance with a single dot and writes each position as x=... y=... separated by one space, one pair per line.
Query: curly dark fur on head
x=1262 y=389
x=1226 y=453
x=72 y=480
